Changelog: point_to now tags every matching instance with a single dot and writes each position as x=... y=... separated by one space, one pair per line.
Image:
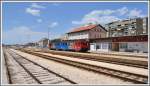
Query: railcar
x=74 y=45
x=80 y=46
x=64 y=46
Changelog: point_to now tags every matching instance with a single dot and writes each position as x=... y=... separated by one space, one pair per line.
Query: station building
x=87 y=32
x=124 y=44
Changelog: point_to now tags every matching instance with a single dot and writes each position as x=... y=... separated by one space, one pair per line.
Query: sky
x=29 y=21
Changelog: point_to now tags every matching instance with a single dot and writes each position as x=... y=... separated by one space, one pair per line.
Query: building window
x=104 y=46
x=123 y=45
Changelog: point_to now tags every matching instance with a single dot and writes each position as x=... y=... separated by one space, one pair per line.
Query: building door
x=115 y=46
x=92 y=47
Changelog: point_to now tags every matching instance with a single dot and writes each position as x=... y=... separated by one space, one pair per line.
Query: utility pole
x=48 y=39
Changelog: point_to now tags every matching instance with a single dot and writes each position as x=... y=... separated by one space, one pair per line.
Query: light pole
x=48 y=39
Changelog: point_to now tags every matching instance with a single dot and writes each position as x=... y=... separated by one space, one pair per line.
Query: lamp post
x=48 y=39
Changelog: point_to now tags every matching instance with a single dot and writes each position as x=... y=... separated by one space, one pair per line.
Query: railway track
x=38 y=73
x=136 y=78
x=7 y=68
x=102 y=60
x=109 y=61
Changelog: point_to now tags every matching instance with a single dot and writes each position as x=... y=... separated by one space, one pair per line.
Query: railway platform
x=131 y=54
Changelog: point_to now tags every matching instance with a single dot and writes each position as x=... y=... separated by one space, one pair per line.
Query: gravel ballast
x=79 y=76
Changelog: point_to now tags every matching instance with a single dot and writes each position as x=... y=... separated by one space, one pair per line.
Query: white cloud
x=106 y=16
x=100 y=12
x=39 y=20
x=122 y=10
x=34 y=9
x=102 y=20
x=107 y=19
x=22 y=34
x=98 y=16
x=135 y=13
x=34 y=12
x=54 y=24
x=35 y=5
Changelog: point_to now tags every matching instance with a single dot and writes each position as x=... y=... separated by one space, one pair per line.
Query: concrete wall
x=78 y=35
x=43 y=43
x=134 y=47
x=138 y=46
x=103 y=46
x=141 y=47
x=96 y=32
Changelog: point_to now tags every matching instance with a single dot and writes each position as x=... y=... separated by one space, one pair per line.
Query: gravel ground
x=18 y=74
x=4 y=71
x=79 y=76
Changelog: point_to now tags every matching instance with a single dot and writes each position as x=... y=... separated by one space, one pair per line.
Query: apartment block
x=145 y=25
x=128 y=27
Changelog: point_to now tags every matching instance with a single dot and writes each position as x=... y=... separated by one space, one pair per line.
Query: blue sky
x=24 y=22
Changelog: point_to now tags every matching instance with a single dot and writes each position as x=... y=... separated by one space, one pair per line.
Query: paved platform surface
x=121 y=53
x=107 y=55
x=109 y=52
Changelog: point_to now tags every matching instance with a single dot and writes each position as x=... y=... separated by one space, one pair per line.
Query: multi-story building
x=145 y=25
x=87 y=32
x=43 y=43
x=128 y=27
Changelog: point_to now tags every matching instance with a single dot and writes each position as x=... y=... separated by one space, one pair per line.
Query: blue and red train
x=69 y=45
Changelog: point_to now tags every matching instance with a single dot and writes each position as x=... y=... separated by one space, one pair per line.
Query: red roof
x=83 y=28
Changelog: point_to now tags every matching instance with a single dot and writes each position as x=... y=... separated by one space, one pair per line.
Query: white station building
x=87 y=32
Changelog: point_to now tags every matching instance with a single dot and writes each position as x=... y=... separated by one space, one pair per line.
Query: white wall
x=103 y=46
x=141 y=46
x=78 y=36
